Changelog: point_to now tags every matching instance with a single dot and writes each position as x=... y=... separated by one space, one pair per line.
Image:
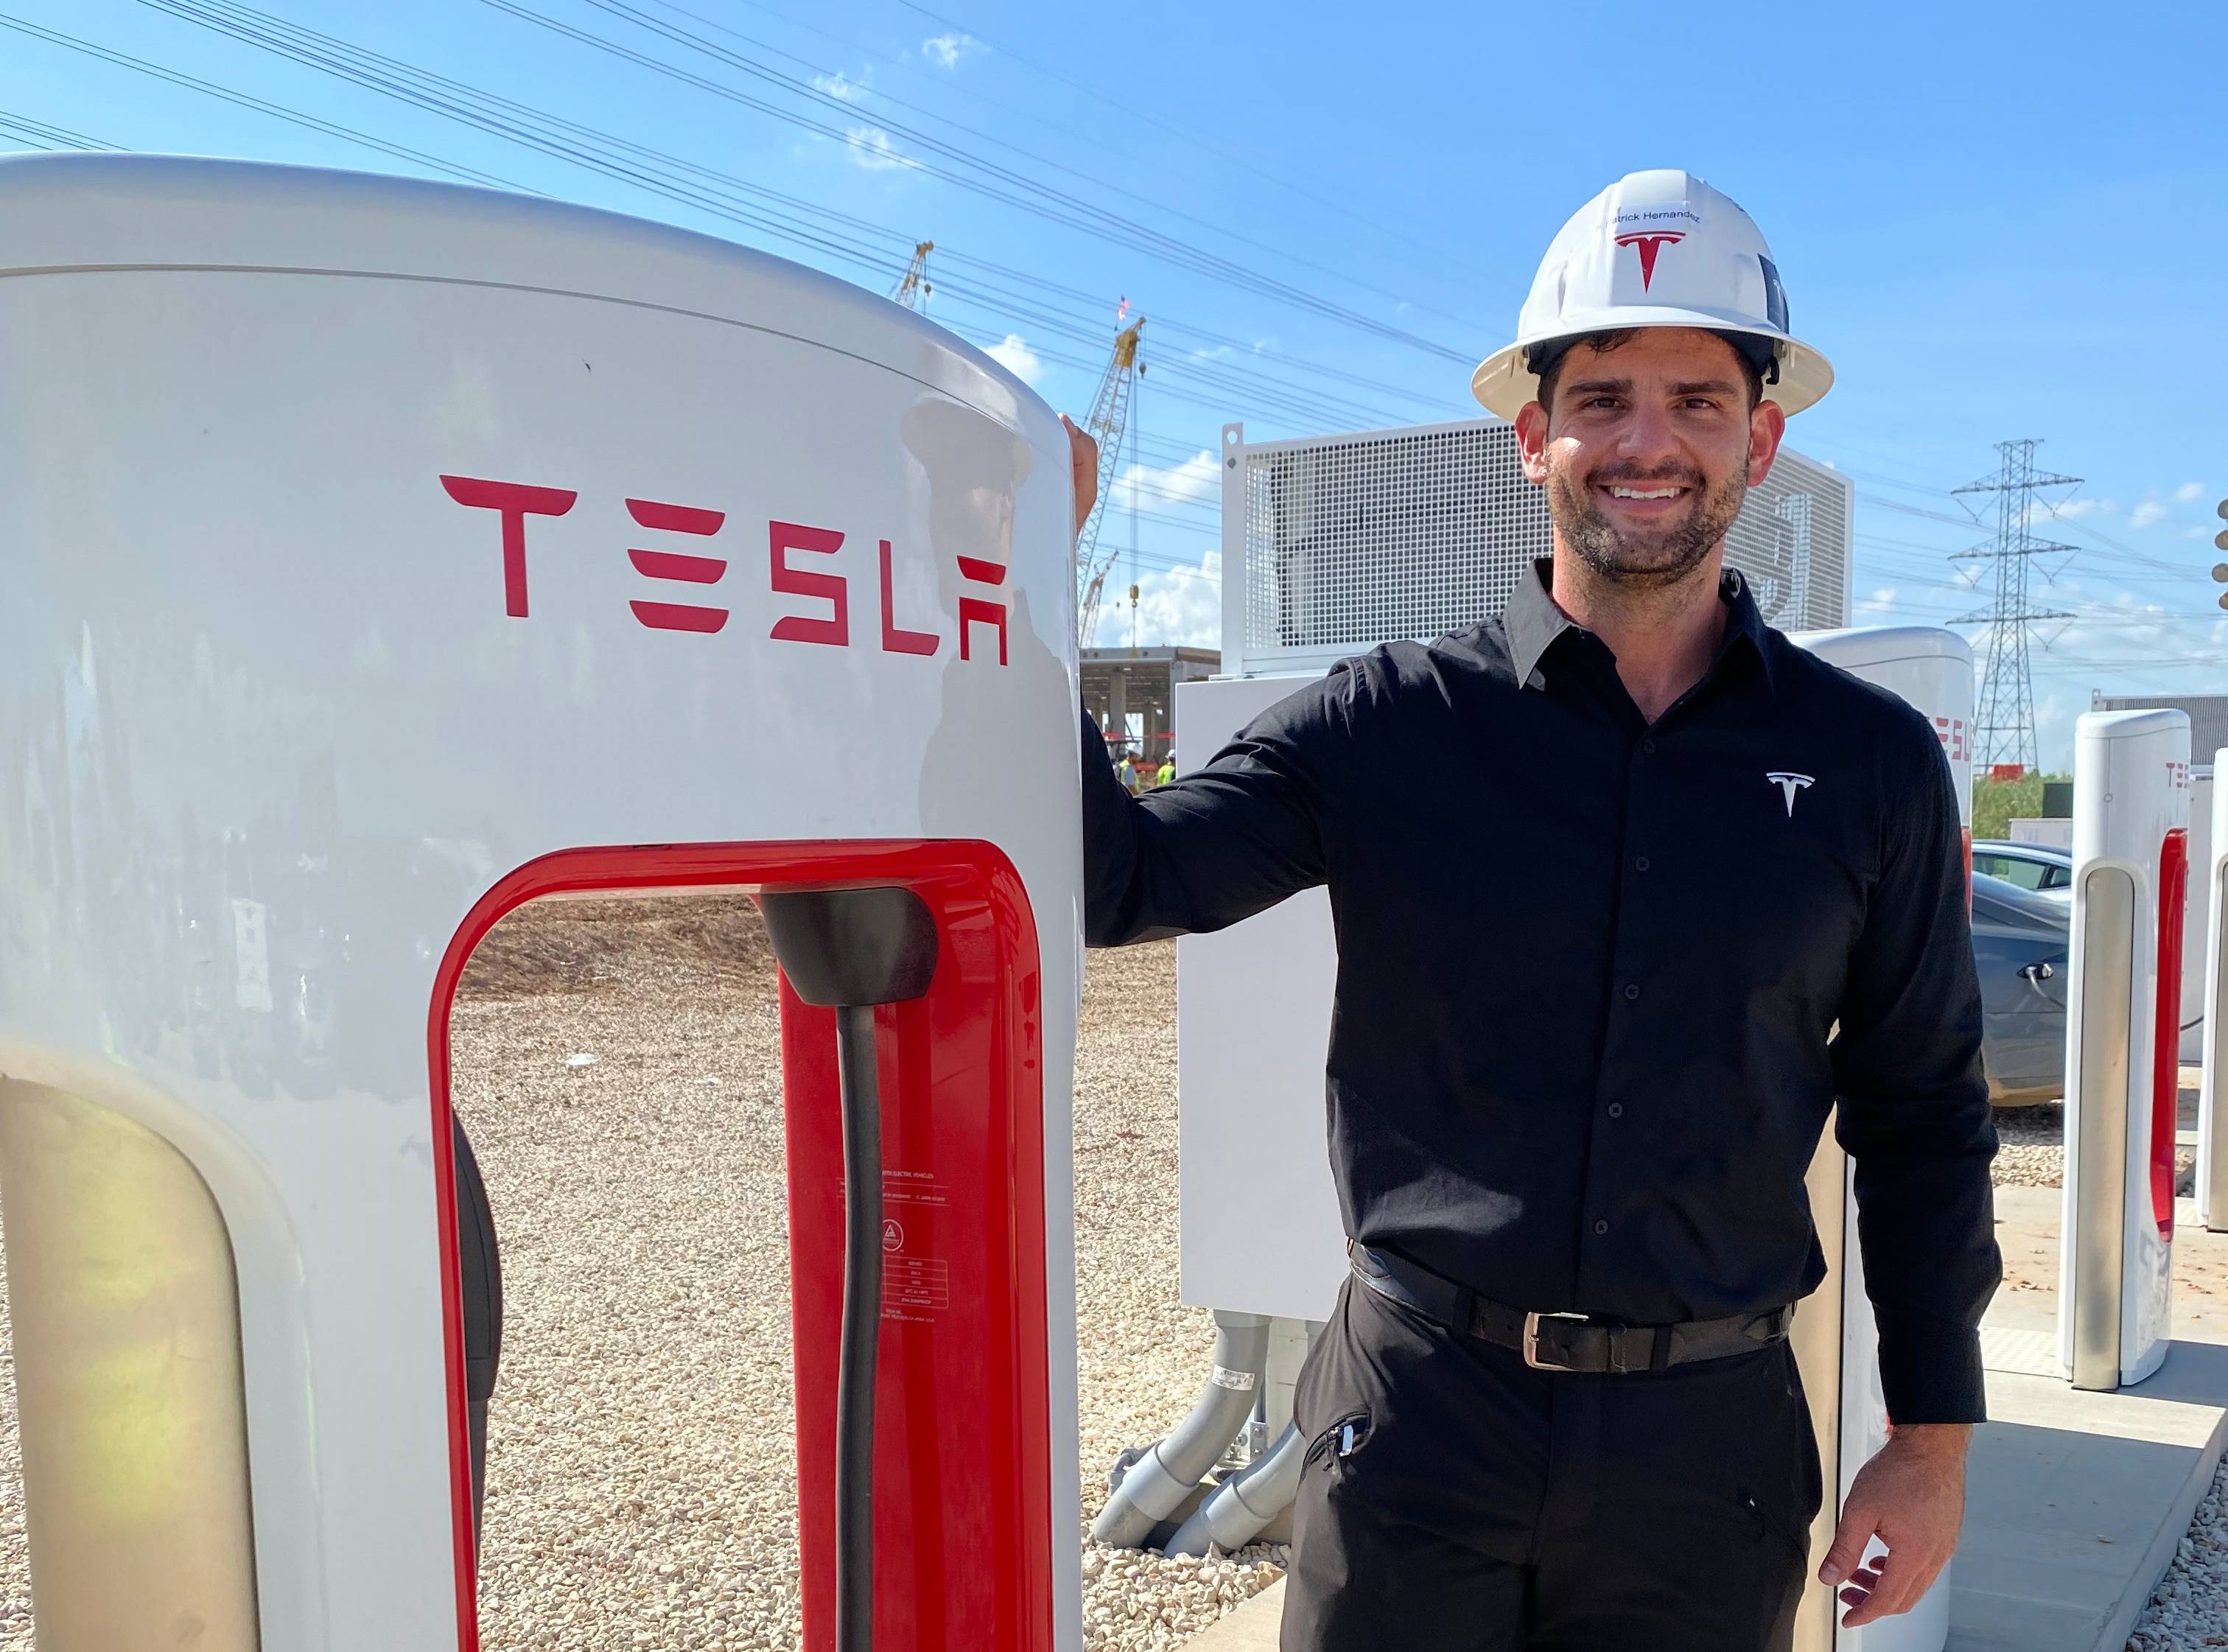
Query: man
x=1167 y=770
x=1605 y=969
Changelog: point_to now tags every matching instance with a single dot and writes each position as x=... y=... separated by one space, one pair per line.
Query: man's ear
x=1531 y=441
x=1767 y=427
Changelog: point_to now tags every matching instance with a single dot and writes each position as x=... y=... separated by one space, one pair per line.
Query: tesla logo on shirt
x=1789 y=785
x=1649 y=243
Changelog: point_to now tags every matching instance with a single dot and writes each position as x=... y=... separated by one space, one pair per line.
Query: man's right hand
x=1085 y=453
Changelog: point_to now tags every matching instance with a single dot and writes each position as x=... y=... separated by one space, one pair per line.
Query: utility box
x=1334 y=544
x=381 y=555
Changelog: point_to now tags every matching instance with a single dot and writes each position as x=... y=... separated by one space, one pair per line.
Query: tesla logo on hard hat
x=1789 y=785
x=1650 y=242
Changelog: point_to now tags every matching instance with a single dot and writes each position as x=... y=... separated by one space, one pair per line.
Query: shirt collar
x=1533 y=622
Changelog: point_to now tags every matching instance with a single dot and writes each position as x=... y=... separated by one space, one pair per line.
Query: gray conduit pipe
x=1168 y=1471
x=1244 y=1503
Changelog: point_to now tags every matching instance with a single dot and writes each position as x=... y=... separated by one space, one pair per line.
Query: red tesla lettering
x=677 y=566
x=515 y=502
x=974 y=611
x=835 y=630
x=894 y=640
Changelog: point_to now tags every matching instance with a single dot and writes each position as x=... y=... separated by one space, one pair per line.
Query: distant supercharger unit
x=382 y=554
x=2131 y=794
x=1259 y=1226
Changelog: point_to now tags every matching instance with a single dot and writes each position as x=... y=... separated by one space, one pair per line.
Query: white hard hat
x=1655 y=249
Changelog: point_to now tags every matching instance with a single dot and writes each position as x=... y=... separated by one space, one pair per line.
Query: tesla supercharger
x=2122 y=1021
x=381 y=556
x=1260 y=1229
x=2209 y=883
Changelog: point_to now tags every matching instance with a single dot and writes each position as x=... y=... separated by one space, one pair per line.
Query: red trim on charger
x=656 y=867
x=2166 y=1030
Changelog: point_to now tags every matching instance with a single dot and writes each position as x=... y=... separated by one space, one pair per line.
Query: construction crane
x=913 y=288
x=1107 y=422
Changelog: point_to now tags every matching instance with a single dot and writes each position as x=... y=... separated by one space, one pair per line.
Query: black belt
x=1564 y=1341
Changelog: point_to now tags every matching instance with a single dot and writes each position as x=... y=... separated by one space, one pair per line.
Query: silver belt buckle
x=1531 y=1342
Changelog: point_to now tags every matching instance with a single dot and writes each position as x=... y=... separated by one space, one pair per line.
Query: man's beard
x=1660 y=558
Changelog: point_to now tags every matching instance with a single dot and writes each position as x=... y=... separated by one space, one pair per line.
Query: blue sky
x=2010 y=221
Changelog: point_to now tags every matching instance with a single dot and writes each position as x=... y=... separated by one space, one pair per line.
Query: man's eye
x=1600 y=401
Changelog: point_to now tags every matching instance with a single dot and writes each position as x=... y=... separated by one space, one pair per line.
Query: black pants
x=1454 y=1498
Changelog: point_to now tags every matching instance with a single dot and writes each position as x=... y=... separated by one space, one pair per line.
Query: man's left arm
x=1914 y=1117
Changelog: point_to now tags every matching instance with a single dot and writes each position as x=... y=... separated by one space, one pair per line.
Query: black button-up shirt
x=1600 y=982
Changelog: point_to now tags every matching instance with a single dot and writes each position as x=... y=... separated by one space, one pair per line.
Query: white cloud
x=1151 y=489
x=1881 y=602
x=1179 y=607
x=870 y=147
x=2189 y=493
x=1219 y=353
x=2145 y=514
x=840 y=85
x=2074 y=510
x=945 y=50
x=2048 y=710
x=1013 y=354
x=2197 y=533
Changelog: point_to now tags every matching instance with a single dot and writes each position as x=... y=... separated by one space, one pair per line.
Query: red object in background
x=2006 y=770
x=2166 y=1037
x=962 y=1439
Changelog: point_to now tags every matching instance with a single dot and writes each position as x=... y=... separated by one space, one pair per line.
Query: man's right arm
x=1218 y=844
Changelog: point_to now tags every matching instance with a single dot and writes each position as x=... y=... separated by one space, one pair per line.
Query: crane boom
x=912 y=288
x=1108 y=423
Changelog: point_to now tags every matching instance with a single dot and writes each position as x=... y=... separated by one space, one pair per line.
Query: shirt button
x=1647 y=748
x=1600 y=1228
x=1641 y=864
x=1616 y=1110
x=1631 y=990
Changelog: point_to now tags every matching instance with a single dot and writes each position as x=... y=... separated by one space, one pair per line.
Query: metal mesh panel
x=1353 y=541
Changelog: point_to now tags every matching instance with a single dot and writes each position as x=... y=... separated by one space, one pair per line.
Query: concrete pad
x=2075 y=1503
x=1253 y=1628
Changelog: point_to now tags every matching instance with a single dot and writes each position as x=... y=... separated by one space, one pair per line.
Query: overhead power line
x=856 y=243
x=1146 y=116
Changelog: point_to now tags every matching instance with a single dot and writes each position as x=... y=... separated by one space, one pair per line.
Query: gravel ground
x=2031 y=1145
x=2189 y=1609
x=633 y=1496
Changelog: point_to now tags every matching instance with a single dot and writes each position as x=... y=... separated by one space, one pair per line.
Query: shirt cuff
x=1930 y=1371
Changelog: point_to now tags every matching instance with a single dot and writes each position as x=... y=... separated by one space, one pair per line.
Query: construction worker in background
x=1167 y=771
x=1629 y=890
x=1127 y=767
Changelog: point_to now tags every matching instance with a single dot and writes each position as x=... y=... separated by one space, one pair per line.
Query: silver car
x=2020 y=939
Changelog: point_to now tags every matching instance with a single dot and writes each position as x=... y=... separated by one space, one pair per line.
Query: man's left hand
x=1911 y=1497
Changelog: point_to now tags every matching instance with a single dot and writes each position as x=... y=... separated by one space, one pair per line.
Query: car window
x=1992 y=864
x=1999 y=901
x=2056 y=877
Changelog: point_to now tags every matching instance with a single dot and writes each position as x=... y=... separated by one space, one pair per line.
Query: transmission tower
x=912 y=289
x=1109 y=422
x=2004 y=714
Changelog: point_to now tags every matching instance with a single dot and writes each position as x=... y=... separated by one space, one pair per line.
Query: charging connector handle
x=853 y=949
